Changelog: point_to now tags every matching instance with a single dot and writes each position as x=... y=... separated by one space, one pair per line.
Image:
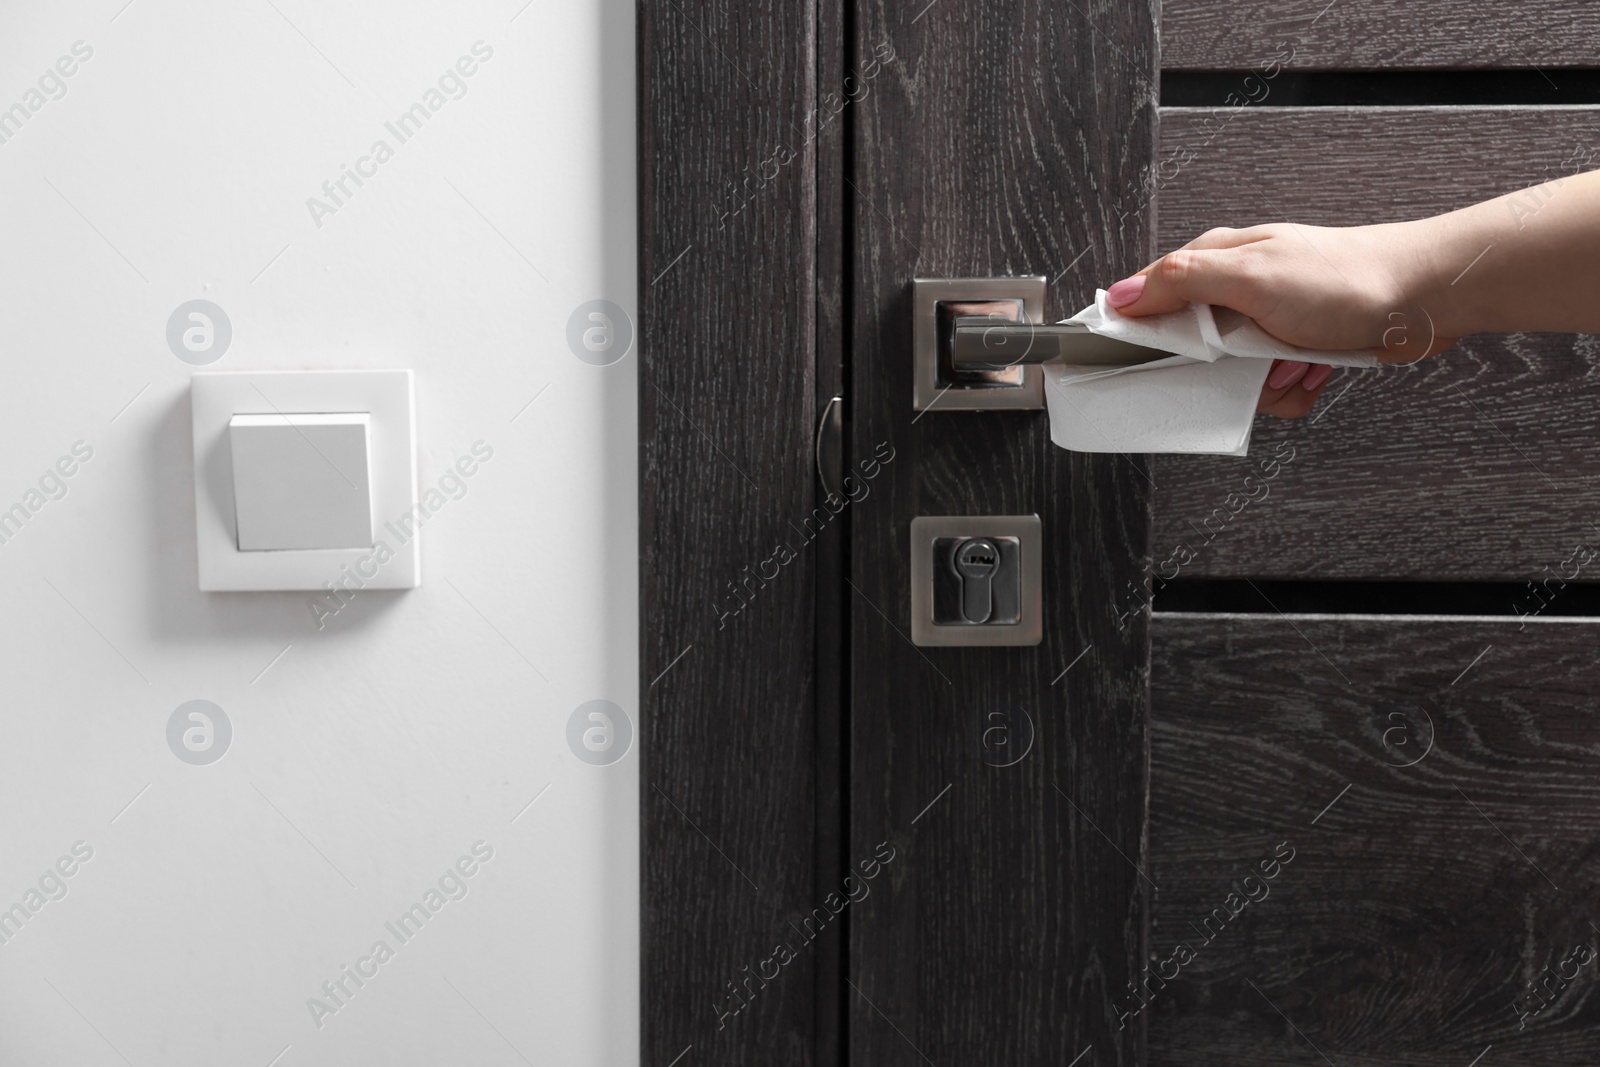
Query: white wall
x=376 y=751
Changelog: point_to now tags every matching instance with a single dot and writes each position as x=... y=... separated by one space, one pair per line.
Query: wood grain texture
x=1377 y=34
x=1013 y=905
x=1422 y=901
x=1332 y=166
x=1475 y=465
x=726 y=344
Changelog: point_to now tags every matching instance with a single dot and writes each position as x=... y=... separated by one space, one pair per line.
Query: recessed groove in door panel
x=1386 y=88
x=1550 y=597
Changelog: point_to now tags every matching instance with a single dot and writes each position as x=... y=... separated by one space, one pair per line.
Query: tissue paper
x=1199 y=399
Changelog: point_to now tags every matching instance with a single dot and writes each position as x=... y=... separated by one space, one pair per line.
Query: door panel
x=1013 y=908
x=1369 y=34
x=1438 y=785
x=1348 y=165
x=1466 y=467
x=1436 y=471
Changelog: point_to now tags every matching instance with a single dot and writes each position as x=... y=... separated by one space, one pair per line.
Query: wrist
x=1435 y=280
x=1420 y=283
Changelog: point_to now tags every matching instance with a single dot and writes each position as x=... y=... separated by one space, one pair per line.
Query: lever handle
x=981 y=343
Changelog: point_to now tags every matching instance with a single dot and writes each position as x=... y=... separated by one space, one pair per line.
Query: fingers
x=1285 y=372
x=1316 y=377
x=1190 y=275
x=1292 y=388
x=1125 y=295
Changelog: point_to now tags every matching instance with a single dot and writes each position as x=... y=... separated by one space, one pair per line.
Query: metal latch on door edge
x=977 y=344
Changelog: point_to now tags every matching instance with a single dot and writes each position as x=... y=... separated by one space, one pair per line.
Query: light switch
x=343 y=475
x=301 y=481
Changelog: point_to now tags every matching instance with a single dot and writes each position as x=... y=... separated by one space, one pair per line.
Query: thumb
x=1189 y=275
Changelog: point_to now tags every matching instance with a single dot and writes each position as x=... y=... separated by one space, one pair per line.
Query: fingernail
x=1286 y=373
x=1126 y=291
x=1319 y=373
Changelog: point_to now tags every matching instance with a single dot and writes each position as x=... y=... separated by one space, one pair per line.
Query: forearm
x=1527 y=261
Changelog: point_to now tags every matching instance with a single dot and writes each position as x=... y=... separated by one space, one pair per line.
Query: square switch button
x=301 y=481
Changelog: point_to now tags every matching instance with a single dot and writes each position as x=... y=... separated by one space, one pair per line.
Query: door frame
x=731 y=821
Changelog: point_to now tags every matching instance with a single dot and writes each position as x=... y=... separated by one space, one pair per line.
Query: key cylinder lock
x=977 y=581
x=976 y=561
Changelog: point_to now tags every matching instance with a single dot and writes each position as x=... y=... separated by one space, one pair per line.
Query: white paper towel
x=1200 y=399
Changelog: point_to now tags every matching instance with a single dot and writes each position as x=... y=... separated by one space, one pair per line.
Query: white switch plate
x=391 y=561
x=300 y=481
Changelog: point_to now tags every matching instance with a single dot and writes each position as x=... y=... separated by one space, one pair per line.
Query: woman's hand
x=1312 y=286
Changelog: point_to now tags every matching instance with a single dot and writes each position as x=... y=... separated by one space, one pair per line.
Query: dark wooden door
x=1334 y=801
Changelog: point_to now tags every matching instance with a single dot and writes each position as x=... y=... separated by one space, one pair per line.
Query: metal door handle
x=979 y=342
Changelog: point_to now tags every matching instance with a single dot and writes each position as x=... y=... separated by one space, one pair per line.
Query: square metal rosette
x=929 y=533
x=936 y=385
